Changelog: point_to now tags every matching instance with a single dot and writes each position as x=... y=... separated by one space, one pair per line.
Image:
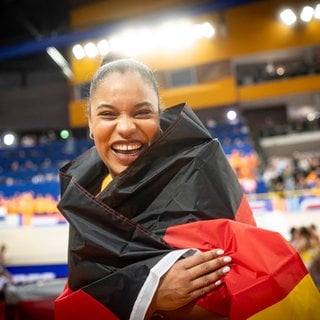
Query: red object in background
x=2 y=310
x=35 y=310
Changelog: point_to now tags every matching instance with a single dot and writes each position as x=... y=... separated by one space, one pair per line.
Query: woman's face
x=123 y=119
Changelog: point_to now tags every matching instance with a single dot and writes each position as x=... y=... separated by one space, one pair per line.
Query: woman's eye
x=108 y=115
x=143 y=113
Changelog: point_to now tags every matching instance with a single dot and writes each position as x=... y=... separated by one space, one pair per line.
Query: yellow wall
x=279 y=88
x=77 y=114
x=217 y=93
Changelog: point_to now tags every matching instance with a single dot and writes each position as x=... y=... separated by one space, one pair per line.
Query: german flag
x=268 y=279
x=123 y=240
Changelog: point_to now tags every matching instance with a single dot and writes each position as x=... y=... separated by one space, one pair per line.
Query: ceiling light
x=317 y=12
x=231 y=115
x=103 y=47
x=9 y=139
x=58 y=58
x=288 y=17
x=280 y=71
x=64 y=134
x=78 y=51
x=306 y=14
x=208 y=30
x=169 y=35
x=91 y=50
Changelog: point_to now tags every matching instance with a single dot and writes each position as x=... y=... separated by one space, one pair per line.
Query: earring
x=91 y=136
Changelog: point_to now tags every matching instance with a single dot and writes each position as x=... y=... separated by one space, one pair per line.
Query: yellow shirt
x=107 y=179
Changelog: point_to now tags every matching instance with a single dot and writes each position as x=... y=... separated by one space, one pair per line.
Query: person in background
x=294 y=236
x=308 y=246
x=3 y=270
x=314 y=267
x=5 y=275
x=304 y=246
x=315 y=238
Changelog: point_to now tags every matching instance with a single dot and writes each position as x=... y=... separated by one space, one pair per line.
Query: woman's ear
x=90 y=127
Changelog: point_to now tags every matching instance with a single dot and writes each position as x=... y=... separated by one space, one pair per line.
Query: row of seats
x=40 y=162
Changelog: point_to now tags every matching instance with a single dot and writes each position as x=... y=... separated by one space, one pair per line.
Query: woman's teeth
x=127 y=147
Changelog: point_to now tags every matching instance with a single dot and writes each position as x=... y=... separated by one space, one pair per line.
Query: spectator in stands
x=294 y=236
x=29 y=140
x=314 y=269
x=5 y=275
x=307 y=244
x=314 y=235
x=304 y=246
x=297 y=172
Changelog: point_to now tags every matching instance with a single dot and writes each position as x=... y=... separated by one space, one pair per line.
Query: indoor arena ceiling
x=31 y=20
x=27 y=21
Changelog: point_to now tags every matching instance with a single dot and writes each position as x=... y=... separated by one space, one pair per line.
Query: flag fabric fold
x=117 y=239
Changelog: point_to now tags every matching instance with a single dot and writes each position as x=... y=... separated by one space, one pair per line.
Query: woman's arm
x=188 y=280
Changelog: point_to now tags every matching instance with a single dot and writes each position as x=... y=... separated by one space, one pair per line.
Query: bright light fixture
x=231 y=115
x=288 y=17
x=306 y=14
x=317 y=11
x=208 y=30
x=103 y=47
x=179 y=34
x=280 y=71
x=145 y=36
x=9 y=139
x=64 y=134
x=173 y=36
x=78 y=52
x=91 y=50
x=58 y=58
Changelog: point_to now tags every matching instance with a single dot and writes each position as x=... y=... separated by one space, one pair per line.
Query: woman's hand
x=189 y=279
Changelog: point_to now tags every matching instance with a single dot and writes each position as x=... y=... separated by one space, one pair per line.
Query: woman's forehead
x=130 y=80
x=119 y=89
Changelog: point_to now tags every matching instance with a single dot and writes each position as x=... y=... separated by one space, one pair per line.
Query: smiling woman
x=124 y=120
x=123 y=116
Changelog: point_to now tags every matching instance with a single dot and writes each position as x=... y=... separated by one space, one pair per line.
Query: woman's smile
x=127 y=152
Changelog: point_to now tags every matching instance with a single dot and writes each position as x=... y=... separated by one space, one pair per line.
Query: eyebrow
x=138 y=105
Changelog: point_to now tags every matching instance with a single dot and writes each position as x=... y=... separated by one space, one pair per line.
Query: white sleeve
x=149 y=287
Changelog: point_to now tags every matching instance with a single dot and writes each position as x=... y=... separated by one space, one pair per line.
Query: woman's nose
x=126 y=125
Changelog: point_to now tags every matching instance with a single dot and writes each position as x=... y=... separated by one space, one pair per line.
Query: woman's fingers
x=190 y=278
x=206 y=283
x=206 y=262
x=196 y=259
x=206 y=270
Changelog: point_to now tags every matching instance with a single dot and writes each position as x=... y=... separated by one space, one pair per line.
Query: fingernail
x=220 y=251
x=227 y=259
x=226 y=269
x=217 y=283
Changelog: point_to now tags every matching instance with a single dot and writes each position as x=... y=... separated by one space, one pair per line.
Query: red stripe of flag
x=244 y=212
x=78 y=305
